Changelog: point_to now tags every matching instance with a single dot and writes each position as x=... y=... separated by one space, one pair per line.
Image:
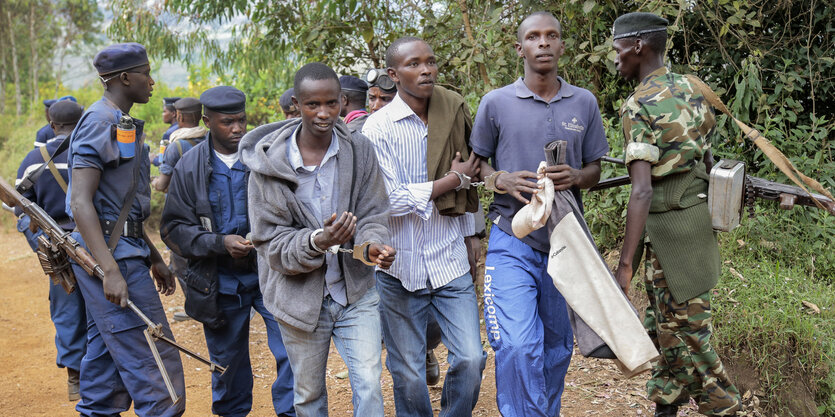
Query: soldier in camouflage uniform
x=667 y=127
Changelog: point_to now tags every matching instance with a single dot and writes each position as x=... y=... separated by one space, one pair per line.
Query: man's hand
x=382 y=255
x=237 y=246
x=473 y=244
x=471 y=167
x=516 y=183
x=624 y=277
x=336 y=231
x=563 y=176
x=164 y=278
x=115 y=288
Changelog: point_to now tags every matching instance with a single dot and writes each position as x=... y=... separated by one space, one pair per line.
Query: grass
x=760 y=315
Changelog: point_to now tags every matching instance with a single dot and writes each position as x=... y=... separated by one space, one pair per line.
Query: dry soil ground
x=31 y=385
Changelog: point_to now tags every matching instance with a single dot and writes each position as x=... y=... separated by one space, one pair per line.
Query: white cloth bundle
x=582 y=277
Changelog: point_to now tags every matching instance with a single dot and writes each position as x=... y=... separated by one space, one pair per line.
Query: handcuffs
x=359 y=252
x=489 y=181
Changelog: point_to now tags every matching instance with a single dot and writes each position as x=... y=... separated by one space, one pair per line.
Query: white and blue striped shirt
x=430 y=247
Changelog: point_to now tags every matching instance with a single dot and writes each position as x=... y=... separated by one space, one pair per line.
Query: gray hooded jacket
x=291 y=273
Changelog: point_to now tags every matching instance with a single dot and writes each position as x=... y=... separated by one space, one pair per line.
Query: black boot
x=666 y=410
x=72 y=385
x=433 y=369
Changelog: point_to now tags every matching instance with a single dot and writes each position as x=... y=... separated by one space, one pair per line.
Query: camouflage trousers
x=688 y=366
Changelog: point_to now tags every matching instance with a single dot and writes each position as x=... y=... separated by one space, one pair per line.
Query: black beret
x=638 y=23
x=286 y=100
x=188 y=105
x=169 y=101
x=120 y=57
x=65 y=112
x=49 y=102
x=349 y=82
x=224 y=99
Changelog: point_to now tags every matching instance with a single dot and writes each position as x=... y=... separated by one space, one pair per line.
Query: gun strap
x=58 y=178
x=770 y=151
x=128 y=203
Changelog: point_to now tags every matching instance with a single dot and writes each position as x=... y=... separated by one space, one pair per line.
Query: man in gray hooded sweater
x=315 y=189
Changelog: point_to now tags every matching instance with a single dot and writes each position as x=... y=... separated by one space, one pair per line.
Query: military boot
x=73 y=390
x=666 y=410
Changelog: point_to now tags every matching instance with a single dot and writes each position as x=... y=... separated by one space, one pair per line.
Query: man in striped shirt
x=431 y=274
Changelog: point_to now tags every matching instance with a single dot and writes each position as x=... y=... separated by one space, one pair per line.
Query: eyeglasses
x=377 y=77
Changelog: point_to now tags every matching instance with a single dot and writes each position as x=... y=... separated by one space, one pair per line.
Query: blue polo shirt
x=92 y=145
x=227 y=193
x=513 y=125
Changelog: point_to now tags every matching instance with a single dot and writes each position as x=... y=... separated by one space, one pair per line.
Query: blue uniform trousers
x=229 y=346
x=119 y=367
x=66 y=311
x=528 y=327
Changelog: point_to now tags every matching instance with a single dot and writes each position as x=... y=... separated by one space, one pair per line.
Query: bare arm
x=636 y=217
x=161 y=182
x=85 y=182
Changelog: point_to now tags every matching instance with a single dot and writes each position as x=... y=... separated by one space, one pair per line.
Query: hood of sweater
x=264 y=149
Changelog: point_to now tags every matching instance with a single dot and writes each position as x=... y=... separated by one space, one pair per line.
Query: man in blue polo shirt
x=526 y=317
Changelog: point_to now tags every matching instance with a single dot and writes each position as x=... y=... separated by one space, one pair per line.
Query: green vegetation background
x=771 y=61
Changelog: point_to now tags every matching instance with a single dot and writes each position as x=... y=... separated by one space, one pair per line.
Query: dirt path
x=33 y=386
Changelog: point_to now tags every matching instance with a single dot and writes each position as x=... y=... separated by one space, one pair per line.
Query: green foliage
x=760 y=317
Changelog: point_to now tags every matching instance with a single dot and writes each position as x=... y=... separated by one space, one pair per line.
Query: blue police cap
x=68 y=98
x=349 y=82
x=49 y=102
x=286 y=99
x=120 y=57
x=65 y=112
x=224 y=99
x=169 y=101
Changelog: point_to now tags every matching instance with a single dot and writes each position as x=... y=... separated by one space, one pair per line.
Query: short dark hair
x=355 y=97
x=542 y=13
x=313 y=71
x=657 y=41
x=392 y=52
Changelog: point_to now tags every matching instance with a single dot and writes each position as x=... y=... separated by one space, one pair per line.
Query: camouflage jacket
x=667 y=122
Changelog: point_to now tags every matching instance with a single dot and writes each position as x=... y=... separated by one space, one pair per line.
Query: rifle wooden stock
x=57 y=235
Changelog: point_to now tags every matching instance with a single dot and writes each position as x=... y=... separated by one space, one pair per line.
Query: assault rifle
x=57 y=247
x=752 y=188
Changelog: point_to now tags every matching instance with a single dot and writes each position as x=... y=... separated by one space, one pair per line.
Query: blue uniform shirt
x=167 y=134
x=172 y=154
x=93 y=146
x=512 y=127
x=227 y=193
x=44 y=135
x=46 y=192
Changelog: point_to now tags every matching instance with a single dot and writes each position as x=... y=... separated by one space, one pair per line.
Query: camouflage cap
x=638 y=23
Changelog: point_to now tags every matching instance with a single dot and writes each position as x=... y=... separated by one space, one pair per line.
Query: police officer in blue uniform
x=48 y=191
x=205 y=220
x=169 y=115
x=46 y=133
x=118 y=367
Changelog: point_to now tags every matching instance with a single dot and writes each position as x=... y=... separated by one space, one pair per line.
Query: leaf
x=811 y=306
x=588 y=6
x=736 y=274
